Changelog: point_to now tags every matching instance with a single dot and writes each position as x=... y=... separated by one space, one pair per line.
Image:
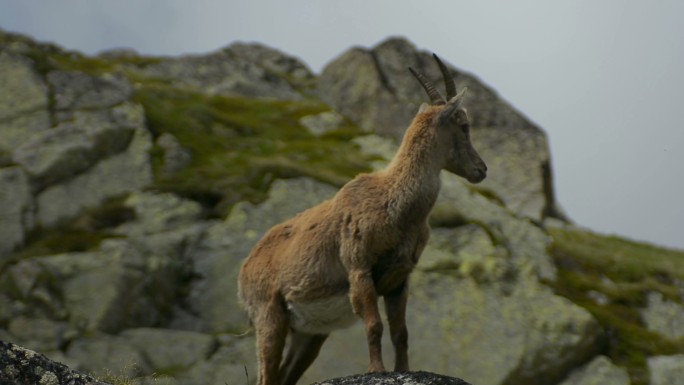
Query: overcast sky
x=603 y=78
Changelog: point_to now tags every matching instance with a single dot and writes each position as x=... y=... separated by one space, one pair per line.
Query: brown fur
x=361 y=244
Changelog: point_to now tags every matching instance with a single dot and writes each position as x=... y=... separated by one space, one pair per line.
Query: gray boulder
x=106 y=355
x=74 y=90
x=666 y=370
x=600 y=371
x=70 y=148
x=133 y=288
x=224 y=72
x=664 y=316
x=120 y=173
x=166 y=349
x=16 y=206
x=22 y=366
x=23 y=101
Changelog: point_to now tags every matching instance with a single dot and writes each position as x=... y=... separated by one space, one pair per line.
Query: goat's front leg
x=364 y=301
x=395 y=305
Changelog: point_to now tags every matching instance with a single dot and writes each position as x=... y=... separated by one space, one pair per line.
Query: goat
x=318 y=271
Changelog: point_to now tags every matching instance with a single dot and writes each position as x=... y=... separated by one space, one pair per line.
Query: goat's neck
x=413 y=178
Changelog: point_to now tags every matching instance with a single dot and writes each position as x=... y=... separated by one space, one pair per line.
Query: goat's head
x=453 y=126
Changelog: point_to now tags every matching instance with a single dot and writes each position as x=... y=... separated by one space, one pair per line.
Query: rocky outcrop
x=249 y=70
x=22 y=366
x=411 y=378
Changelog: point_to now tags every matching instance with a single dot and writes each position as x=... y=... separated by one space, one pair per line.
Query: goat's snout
x=478 y=174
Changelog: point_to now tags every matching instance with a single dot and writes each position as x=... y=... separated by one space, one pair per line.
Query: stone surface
x=666 y=370
x=411 y=378
x=16 y=206
x=74 y=90
x=223 y=72
x=127 y=171
x=321 y=123
x=166 y=349
x=176 y=157
x=664 y=316
x=600 y=371
x=62 y=287
x=104 y=355
x=40 y=334
x=275 y=61
x=22 y=366
x=23 y=101
x=70 y=148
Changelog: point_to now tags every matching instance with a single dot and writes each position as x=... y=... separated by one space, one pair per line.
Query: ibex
x=318 y=271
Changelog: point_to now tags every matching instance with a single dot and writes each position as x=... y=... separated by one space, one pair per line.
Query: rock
x=523 y=329
x=40 y=334
x=321 y=123
x=233 y=363
x=127 y=171
x=666 y=370
x=394 y=378
x=373 y=88
x=167 y=349
x=664 y=316
x=217 y=260
x=105 y=355
x=70 y=148
x=156 y=213
x=176 y=157
x=274 y=61
x=23 y=101
x=133 y=288
x=16 y=206
x=224 y=72
x=74 y=90
x=600 y=371
x=22 y=366
x=164 y=224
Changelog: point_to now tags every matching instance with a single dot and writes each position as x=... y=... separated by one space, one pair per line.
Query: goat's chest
x=392 y=268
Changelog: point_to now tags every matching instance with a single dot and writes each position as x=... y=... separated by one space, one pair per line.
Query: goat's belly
x=321 y=316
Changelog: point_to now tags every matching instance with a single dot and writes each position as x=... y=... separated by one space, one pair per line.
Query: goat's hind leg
x=271 y=325
x=302 y=352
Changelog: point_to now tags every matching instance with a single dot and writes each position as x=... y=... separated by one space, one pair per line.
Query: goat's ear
x=423 y=107
x=453 y=104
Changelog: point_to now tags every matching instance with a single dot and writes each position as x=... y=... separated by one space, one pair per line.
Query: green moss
x=241 y=145
x=621 y=272
x=84 y=233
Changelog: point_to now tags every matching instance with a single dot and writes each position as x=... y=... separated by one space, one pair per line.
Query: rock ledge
x=395 y=378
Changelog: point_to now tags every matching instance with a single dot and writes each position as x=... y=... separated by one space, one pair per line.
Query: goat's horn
x=435 y=97
x=448 y=79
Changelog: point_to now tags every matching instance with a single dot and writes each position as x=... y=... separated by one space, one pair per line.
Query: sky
x=604 y=79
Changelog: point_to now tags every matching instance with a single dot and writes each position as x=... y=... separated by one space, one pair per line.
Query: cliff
x=132 y=187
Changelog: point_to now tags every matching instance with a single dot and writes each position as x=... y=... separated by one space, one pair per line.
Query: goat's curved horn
x=435 y=98
x=448 y=79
